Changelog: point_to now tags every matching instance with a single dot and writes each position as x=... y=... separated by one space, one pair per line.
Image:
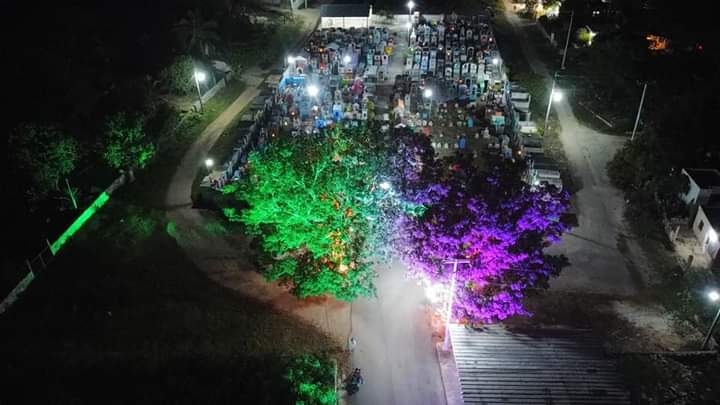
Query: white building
x=706 y=228
x=703 y=184
x=345 y=16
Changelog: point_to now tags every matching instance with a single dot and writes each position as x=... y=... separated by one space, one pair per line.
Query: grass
x=123 y=314
x=151 y=185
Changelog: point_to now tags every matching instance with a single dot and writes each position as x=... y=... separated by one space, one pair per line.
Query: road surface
x=596 y=263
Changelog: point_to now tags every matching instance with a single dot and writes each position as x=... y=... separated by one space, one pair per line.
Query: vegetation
x=178 y=77
x=141 y=315
x=126 y=145
x=42 y=155
x=312 y=380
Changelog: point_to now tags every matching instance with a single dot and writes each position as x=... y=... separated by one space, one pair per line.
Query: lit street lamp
x=347 y=59
x=313 y=90
x=555 y=96
x=427 y=93
x=199 y=77
x=385 y=185
x=290 y=60
x=410 y=6
x=209 y=163
x=495 y=61
x=713 y=296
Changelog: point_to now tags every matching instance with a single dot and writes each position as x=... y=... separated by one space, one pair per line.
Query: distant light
x=385 y=185
x=714 y=295
x=495 y=61
x=410 y=4
x=557 y=96
x=209 y=163
x=408 y=25
x=313 y=90
x=291 y=60
x=427 y=93
x=713 y=236
x=200 y=76
x=347 y=59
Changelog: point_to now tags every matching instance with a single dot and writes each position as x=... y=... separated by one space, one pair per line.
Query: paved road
x=597 y=265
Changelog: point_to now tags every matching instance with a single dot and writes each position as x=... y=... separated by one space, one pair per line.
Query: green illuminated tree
x=316 y=202
x=44 y=155
x=126 y=145
x=312 y=380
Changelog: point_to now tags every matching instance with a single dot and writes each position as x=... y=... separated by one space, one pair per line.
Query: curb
x=449 y=376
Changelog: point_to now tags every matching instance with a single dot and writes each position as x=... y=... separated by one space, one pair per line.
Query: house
x=704 y=183
x=706 y=228
x=345 y=15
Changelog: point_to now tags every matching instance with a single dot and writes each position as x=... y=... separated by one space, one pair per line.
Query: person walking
x=352 y=342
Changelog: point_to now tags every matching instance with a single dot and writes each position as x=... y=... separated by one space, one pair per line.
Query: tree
x=196 y=34
x=178 y=77
x=498 y=223
x=312 y=380
x=126 y=145
x=44 y=154
x=315 y=202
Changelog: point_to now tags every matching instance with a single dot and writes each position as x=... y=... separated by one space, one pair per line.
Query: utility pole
x=710 y=331
x=454 y=262
x=550 y=100
x=637 y=118
x=567 y=40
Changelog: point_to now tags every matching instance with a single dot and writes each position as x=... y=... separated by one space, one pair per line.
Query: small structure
x=345 y=16
x=703 y=184
x=706 y=228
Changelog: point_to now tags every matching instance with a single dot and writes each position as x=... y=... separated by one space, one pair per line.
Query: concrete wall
x=343 y=22
x=704 y=235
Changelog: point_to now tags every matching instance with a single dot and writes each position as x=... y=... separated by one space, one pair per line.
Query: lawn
x=124 y=317
x=151 y=184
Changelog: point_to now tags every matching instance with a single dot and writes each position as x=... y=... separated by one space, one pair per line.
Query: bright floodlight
x=557 y=96
x=347 y=59
x=713 y=236
x=408 y=25
x=200 y=76
x=434 y=292
x=385 y=185
x=313 y=90
x=714 y=295
x=410 y=4
x=495 y=61
x=427 y=93
x=291 y=60
x=209 y=163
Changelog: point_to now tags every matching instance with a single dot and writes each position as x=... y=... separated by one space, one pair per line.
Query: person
x=352 y=342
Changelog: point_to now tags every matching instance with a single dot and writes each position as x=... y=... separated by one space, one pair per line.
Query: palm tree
x=197 y=34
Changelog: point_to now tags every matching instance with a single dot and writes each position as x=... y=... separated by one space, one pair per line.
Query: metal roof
x=344 y=10
x=547 y=367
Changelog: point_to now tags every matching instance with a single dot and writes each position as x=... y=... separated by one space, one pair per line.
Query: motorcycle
x=354 y=382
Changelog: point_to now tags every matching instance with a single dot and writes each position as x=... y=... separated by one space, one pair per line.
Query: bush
x=312 y=380
x=178 y=77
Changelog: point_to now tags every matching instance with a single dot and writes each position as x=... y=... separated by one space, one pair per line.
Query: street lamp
x=713 y=296
x=313 y=90
x=385 y=185
x=347 y=59
x=408 y=25
x=454 y=262
x=567 y=40
x=199 y=77
x=209 y=163
x=427 y=93
x=290 y=60
x=495 y=61
x=555 y=96
x=410 y=6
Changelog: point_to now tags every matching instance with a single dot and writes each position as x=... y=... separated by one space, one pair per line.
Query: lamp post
x=713 y=296
x=567 y=41
x=199 y=77
x=554 y=96
x=408 y=25
x=454 y=262
x=637 y=118
x=410 y=6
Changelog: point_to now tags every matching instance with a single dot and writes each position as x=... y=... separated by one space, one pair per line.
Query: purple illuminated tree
x=499 y=224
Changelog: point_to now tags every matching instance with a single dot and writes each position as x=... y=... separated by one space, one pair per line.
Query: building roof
x=713 y=216
x=344 y=10
x=500 y=366
x=705 y=178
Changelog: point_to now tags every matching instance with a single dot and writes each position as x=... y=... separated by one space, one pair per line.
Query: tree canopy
x=501 y=226
x=316 y=202
x=126 y=146
x=44 y=154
